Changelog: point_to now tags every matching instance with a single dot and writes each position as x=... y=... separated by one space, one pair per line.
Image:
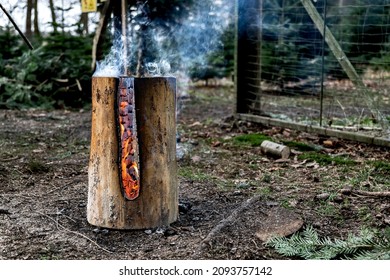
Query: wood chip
x=279 y=222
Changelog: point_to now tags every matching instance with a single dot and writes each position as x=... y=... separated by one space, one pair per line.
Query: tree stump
x=157 y=202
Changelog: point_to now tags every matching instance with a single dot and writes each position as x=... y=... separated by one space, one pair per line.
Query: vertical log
x=157 y=204
x=155 y=99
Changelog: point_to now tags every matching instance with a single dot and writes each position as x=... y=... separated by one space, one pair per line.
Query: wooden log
x=275 y=149
x=157 y=203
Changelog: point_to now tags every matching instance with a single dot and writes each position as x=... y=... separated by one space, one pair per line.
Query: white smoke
x=186 y=45
x=113 y=63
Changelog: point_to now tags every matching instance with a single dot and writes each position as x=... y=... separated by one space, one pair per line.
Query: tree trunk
x=62 y=17
x=53 y=16
x=29 y=19
x=157 y=203
x=37 y=33
x=84 y=23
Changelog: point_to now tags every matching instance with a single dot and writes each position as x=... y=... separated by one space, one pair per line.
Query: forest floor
x=232 y=196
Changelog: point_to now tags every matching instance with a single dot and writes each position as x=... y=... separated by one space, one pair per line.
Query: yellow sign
x=88 y=6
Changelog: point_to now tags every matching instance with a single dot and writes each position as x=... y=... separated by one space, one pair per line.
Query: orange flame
x=128 y=141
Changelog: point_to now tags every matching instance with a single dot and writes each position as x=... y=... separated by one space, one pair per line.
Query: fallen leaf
x=328 y=143
x=196 y=159
x=278 y=223
x=216 y=144
x=195 y=124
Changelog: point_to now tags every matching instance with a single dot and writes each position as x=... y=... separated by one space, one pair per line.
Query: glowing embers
x=128 y=147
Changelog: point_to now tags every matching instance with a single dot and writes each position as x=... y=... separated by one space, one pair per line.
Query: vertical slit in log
x=128 y=142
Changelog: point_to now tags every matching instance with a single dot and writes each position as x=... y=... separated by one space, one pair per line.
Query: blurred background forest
x=57 y=73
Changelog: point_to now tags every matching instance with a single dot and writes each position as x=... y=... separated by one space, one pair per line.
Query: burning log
x=128 y=143
x=132 y=176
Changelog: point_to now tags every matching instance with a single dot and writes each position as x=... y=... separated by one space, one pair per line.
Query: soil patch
x=228 y=191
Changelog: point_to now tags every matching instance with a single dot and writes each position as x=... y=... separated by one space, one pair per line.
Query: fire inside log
x=128 y=149
x=112 y=173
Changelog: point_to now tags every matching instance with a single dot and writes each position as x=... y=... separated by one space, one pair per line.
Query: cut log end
x=275 y=150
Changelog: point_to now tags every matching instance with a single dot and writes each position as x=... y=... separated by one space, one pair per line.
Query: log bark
x=157 y=203
x=275 y=150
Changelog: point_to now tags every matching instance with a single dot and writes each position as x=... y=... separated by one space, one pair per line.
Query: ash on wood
x=157 y=203
x=275 y=150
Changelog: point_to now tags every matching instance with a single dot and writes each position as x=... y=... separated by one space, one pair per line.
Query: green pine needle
x=308 y=245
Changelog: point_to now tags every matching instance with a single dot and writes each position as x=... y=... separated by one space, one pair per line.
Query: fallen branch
x=225 y=222
x=348 y=191
x=17 y=28
x=74 y=232
x=377 y=194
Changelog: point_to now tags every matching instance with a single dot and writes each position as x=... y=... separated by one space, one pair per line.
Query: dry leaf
x=196 y=159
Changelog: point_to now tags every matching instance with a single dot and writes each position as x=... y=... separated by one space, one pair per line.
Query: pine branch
x=308 y=245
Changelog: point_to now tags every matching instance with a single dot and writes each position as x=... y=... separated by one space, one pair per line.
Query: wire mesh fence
x=324 y=62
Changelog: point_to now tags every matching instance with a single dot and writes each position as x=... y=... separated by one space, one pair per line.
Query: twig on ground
x=74 y=232
x=348 y=191
x=377 y=194
x=61 y=188
x=225 y=222
x=9 y=159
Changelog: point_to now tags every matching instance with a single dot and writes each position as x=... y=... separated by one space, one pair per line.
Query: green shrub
x=55 y=74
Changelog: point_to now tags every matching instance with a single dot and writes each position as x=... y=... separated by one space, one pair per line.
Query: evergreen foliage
x=55 y=74
x=220 y=62
x=291 y=45
x=309 y=245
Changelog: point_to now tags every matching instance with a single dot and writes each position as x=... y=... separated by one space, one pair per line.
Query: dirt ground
x=230 y=194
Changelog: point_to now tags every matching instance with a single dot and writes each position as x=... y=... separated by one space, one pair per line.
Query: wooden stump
x=157 y=203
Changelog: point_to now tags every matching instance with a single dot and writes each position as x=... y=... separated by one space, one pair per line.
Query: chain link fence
x=320 y=63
